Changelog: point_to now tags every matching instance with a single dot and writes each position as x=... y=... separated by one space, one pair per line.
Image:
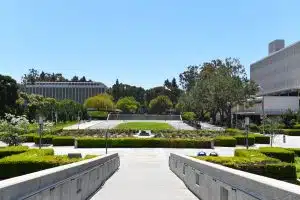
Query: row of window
x=76 y=94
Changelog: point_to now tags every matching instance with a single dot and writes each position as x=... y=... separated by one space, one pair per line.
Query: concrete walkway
x=144 y=175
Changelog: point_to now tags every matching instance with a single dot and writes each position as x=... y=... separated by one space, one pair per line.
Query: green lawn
x=60 y=125
x=145 y=126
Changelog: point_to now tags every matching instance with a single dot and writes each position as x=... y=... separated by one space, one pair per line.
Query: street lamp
x=41 y=123
x=106 y=137
x=247 y=122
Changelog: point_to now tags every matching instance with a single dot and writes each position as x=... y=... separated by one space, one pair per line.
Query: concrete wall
x=210 y=181
x=74 y=181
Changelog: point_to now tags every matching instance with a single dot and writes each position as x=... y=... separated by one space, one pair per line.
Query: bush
x=8 y=151
x=225 y=141
x=296 y=126
x=261 y=139
x=63 y=141
x=28 y=137
x=143 y=142
x=256 y=163
x=47 y=139
x=234 y=131
x=98 y=114
x=90 y=156
x=188 y=116
x=12 y=139
x=31 y=161
x=291 y=132
x=279 y=153
x=295 y=150
x=241 y=140
x=253 y=127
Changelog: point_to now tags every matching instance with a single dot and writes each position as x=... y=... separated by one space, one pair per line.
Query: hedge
x=47 y=139
x=279 y=153
x=28 y=137
x=291 y=132
x=63 y=141
x=253 y=127
x=233 y=130
x=225 y=141
x=8 y=151
x=31 y=161
x=256 y=163
x=261 y=139
x=143 y=142
x=295 y=150
x=241 y=140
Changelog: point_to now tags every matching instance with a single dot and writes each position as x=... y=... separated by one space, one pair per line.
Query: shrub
x=279 y=153
x=90 y=156
x=143 y=142
x=28 y=137
x=289 y=118
x=261 y=139
x=8 y=151
x=47 y=139
x=241 y=140
x=295 y=150
x=225 y=141
x=189 y=116
x=253 y=127
x=63 y=141
x=31 y=161
x=234 y=131
x=257 y=165
x=296 y=126
x=12 y=139
x=291 y=132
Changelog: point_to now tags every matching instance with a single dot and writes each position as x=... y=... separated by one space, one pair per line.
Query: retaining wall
x=209 y=181
x=76 y=181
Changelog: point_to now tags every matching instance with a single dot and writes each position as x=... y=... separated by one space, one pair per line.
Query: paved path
x=144 y=174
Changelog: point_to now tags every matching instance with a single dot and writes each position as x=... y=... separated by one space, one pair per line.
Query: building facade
x=77 y=91
x=279 y=72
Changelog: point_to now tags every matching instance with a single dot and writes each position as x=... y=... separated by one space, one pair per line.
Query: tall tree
x=82 y=79
x=8 y=94
x=160 y=105
x=128 y=104
x=187 y=78
x=75 y=79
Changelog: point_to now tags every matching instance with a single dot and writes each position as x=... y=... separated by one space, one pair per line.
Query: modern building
x=278 y=77
x=77 y=91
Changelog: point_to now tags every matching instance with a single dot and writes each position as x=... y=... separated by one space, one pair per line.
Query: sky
x=140 y=42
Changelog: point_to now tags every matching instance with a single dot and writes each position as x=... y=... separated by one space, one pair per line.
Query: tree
x=83 y=79
x=160 y=104
x=187 y=78
x=31 y=77
x=8 y=94
x=101 y=102
x=271 y=126
x=128 y=104
x=75 y=79
x=289 y=118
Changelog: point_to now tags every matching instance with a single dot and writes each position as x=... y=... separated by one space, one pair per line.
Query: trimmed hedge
x=279 y=153
x=255 y=162
x=8 y=151
x=241 y=140
x=261 y=139
x=47 y=139
x=28 y=137
x=143 y=142
x=225 y=141
x=31 y=161
x=295 y=150
x=291 y=132
x=233 y=130
x=63 y=141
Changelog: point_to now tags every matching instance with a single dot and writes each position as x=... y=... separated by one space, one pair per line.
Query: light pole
x=106 y=137
x=263 y=109
x=41 y=123
x=247 y=122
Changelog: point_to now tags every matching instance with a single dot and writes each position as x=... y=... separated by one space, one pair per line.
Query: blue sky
x=141 y=42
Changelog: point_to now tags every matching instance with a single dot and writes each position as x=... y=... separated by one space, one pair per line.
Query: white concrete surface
x=210 y=181
x=82 y=125
x=76 y=181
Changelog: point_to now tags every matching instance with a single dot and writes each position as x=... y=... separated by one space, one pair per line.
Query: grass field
x=145 y=126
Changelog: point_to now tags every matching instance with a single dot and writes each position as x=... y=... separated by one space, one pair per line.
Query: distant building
x=77 y=91
x=278 y=77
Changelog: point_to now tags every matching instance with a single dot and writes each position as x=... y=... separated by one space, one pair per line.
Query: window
x=223 y=194
x=197 y=178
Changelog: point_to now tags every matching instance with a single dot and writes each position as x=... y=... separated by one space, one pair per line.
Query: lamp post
x=247 y=122
x=263 y=109
x=106 y=137
x=41 y=123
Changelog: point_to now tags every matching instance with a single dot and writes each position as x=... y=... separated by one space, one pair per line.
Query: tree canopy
x=160 y=104
x=101 y=102
x=8 y=94
x=128 y=105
